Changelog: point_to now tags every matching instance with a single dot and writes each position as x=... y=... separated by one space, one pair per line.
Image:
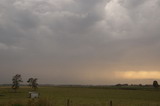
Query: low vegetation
x=82 y=96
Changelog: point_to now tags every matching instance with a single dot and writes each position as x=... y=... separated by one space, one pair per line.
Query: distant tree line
x=32 y=82
x=155 y=85
x=17 y=79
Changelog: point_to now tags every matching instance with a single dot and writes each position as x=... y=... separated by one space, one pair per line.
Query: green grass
x=83 y=96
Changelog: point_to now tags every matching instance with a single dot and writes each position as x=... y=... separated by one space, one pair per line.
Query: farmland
x=82 y=96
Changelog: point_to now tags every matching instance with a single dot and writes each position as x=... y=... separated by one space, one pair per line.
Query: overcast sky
x=80 y=41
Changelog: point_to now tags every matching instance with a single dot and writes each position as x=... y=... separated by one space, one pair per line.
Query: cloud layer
x=78 y=41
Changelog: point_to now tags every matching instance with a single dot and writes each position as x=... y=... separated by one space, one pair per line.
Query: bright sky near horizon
x=80 y=41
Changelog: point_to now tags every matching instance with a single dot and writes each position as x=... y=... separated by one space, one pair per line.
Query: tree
x=16 y=81
x=30 y=80
x=33 y=83
x=155 y=84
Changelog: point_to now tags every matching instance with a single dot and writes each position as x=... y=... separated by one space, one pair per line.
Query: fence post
x=110 y=103
x=68 y=102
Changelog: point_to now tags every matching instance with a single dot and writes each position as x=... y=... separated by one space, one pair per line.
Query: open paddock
x=82 y=96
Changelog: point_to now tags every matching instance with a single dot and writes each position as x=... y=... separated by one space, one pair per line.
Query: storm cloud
x=79 y=41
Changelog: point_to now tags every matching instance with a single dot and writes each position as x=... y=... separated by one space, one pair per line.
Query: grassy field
x=82 y=96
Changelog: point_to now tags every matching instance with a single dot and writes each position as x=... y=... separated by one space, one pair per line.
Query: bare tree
x=16 y=81
x=33 y=83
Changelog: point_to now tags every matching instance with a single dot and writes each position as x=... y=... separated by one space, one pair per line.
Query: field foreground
x=81 y=96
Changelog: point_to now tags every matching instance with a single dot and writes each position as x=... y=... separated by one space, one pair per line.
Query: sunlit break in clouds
x=139 y=75
x=80 y=41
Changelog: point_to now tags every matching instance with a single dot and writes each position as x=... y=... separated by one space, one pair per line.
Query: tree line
x=32 y=82
x=17 y=79
x=155 y=84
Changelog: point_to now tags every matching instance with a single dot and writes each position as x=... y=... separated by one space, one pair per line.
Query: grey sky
x=80 y=41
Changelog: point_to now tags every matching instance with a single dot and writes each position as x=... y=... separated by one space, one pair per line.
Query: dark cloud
x=78 y=41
